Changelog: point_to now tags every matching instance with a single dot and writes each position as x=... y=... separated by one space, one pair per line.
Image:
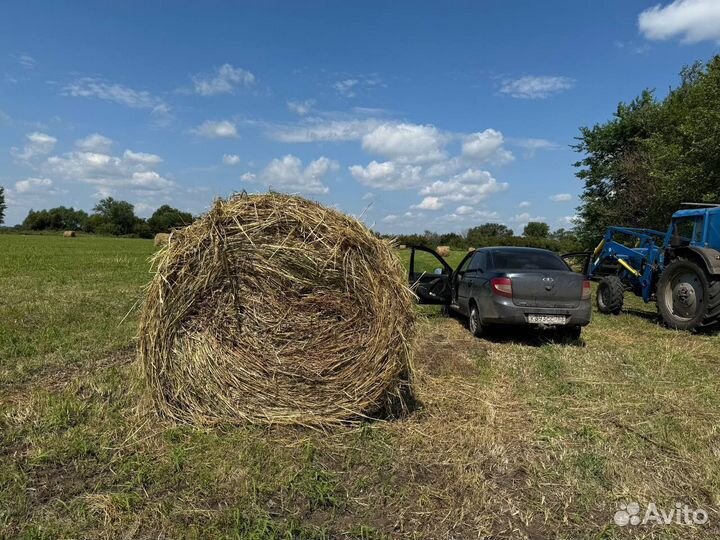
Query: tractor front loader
x=678 y=269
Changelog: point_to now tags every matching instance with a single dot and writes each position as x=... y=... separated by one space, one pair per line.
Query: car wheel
x=474 y=322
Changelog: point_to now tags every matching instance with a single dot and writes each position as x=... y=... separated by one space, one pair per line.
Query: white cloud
x=26 y=61
x=470 y=187
x=94 y=143
x=132 y=170
x=464 y=210
x=399 y=142
x=142 y=157
x=486 y=146
x=390 y=218
x=346 y=87
x=429 y=203
x=525 y=217
x=532 y=146
x=114 y=93
x=387 y=175
x=248 y=177
x=288 y=174
x=121 y=95
x=222 y=81
x=524 y=204
x=323 y=130
x=560 y=197
x=216 y=130
x=691 y=20
x=301 y=107
x=369 y=195
x=37 y=144
x=405 y=143
x=144 y=209
x=33 y=185
x=466 y=217
x=445 y=168
x=536 y=87
x=350 y=86
x=231 y=159
x=149 y=180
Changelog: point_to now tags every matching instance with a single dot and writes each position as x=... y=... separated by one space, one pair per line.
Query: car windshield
x=527 y=260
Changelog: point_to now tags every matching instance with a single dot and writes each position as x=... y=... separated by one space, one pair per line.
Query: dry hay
x=275 y=309
x=402 y=246
x=69 y=234
x=471 y=249
x=161 y=239
x=443 y=251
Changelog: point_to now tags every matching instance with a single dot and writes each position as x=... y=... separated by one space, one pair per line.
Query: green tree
x=117 y=217
x=166 y=217
x=3 y=206
x=480 y=235
x=60 y=218
x=492 y=230
x=536 y=229
x=651 y=156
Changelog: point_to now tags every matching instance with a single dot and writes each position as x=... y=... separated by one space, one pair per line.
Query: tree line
x=109 y=217
x=535 y=234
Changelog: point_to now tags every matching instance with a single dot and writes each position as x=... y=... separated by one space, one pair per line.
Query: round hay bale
x=69 y=234
x=402 y=246
x=276 y=310
x=471 y=249
x=443 y=251
x=161 y=239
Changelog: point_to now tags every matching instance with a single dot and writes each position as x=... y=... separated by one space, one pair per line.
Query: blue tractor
x=678 y=269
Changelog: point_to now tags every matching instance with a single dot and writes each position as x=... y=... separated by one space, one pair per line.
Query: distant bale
x=161 y=238
x=402 y=246
x=273 y=309
x=69 y=234
x=443 y=251
x=471 y=249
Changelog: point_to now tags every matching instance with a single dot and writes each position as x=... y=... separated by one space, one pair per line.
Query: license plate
x=546 y=319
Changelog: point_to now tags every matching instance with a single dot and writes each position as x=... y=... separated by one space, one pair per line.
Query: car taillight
x=501 y=286
x=585 y=290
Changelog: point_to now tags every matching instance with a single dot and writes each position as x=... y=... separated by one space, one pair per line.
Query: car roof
x=517 y=249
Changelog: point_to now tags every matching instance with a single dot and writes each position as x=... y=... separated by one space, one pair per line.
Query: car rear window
x=527 y=260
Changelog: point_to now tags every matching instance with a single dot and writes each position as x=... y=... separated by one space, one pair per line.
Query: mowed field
x=515 y=436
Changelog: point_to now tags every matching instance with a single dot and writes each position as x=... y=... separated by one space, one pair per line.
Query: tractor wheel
x=610 y=295
x=687 y=297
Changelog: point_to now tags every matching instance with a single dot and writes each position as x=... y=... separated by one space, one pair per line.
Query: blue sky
x=415 y=115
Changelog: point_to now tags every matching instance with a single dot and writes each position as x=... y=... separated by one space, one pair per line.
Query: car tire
x=474 y=321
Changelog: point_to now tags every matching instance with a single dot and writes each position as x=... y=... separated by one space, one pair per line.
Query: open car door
x=578 y=261
x=430 y=276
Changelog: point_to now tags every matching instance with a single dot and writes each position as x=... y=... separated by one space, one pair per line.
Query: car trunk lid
x=546 y=288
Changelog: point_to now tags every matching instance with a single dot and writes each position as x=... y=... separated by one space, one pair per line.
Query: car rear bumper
x=504 y=311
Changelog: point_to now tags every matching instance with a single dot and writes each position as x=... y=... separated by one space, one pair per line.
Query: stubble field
x=515 y=436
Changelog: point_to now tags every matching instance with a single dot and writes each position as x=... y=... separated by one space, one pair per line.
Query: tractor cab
x=697 y=227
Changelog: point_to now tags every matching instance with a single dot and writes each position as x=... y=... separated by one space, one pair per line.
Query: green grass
x=517 y=435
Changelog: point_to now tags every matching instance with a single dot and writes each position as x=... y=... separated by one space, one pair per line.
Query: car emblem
x=549 y=283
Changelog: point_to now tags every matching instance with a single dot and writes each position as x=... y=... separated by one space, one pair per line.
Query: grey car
x=506 y=285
